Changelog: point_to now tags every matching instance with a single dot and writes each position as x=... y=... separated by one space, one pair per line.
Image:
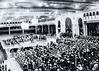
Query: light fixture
x=46 y=4
x=76 y=6
x=34 y=21
x=23 y=4
x=56 y=12
x=40 y=4
x=53 y=4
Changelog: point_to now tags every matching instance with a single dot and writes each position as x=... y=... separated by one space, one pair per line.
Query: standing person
x=95 y=66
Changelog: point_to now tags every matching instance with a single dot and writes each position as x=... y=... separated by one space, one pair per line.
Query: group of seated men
x=68 y=55
x=24 y=38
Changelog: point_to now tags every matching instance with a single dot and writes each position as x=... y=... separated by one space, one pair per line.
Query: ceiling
x=42 y=7
x=49 y=4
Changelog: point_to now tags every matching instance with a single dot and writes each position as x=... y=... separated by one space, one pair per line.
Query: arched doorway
x=45 y=29
x=68 y=27
x=39 y=29
x=32 y=29
x=52 y=28
x=80 y=26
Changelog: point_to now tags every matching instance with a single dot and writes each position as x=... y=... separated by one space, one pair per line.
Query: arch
x=68 y=23
x=68 y=26
x=39 y=29
x=45 y=29
x=80 y=26
x=52 y=28
x=4 y=22
x=32 y=29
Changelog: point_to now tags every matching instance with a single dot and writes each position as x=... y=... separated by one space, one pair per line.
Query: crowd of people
x=3 y=67
x=80 y=54
x=24 y=38
x=3 y=54
x=3 y=57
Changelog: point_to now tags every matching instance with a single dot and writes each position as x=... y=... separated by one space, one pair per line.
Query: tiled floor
x=13 y=65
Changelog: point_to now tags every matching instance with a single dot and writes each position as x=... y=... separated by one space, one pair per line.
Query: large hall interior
x=49 y=35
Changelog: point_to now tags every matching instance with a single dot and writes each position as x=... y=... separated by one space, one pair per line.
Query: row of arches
x=91 y=14
x=46 y=29
x=38 y=29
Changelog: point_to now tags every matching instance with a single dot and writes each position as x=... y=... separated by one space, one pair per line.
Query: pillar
x=23 y=31
x=35 y=29
x=42 y=28
x=9 y=30
x=48 y=29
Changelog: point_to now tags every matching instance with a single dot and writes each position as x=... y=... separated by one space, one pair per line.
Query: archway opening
x=45 y=29
x=52 y=28
x=39 y=29
x=80 y=26
x=68 y=27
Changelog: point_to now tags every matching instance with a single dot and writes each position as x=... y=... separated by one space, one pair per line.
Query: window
x=97 y=13
x=18 y=22
x=7 y=23
x=93 y=13
x=1 y=23
x=87 y=14
x=15 y=22
x=10 y=22
x=84 y=15
x=29 y=21
x=90 y=14
x=4 y=22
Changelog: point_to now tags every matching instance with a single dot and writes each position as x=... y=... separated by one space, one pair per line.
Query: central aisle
x=12 y=63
